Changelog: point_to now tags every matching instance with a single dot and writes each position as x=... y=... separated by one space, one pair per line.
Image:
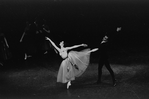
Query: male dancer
x=103 y=47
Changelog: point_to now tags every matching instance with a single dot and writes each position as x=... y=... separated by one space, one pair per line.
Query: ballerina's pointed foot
x=68 y=84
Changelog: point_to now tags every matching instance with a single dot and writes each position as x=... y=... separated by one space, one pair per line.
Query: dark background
x=79 y=21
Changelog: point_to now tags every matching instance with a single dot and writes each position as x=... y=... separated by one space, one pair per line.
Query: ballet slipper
x=68 y=84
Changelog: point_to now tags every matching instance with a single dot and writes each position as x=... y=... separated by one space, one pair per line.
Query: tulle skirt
x=73 y=66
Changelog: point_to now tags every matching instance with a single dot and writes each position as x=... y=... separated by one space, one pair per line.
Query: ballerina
x=74 y=63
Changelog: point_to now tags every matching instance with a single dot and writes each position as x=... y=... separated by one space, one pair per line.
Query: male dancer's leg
x=100 y=65
x=111 y=71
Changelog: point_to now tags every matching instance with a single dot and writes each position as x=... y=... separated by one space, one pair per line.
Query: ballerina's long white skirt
x=73 y=66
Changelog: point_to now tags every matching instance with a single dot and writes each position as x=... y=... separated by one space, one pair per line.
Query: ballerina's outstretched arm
x=53 y=43
x=75 y=46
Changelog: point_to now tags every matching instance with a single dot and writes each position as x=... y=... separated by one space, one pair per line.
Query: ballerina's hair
x=62 y=42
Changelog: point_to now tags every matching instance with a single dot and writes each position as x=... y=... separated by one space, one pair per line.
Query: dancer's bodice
x=63 y=54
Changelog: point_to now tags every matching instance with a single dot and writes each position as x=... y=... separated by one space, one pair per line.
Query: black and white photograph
x=74 y=49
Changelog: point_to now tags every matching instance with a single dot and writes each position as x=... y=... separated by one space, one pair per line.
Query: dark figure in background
x=104 y=60
x=5 y=53
x=42 y=31
x=28 y=40
x=33 y=39
x=46 y=47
